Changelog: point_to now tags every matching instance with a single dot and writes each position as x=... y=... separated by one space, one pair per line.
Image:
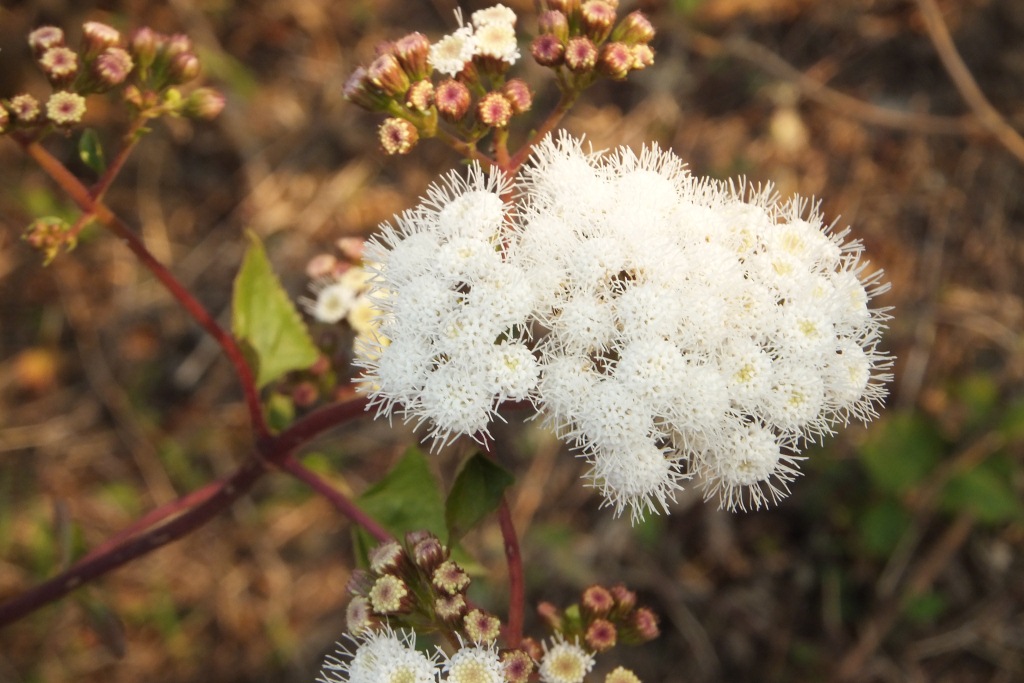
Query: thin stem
x=82 y=197
x=467 y=150
x=317 y=422
x=228 y=491
x=516 y=584
x=338 y=499
x=130 y=139
x=554 y=118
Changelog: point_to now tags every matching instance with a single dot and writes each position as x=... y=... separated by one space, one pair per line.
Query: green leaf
x=1012 y=423
x=901 y=452
x=264 y=317
x=476 y=493
x=882 y=526
x=406 y=499
x=90 y=151
x=986 y=492
x=925 y=608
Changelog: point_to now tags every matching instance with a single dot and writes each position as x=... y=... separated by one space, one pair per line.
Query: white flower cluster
x=490 y=33
x=387 y=656
x=663 y=324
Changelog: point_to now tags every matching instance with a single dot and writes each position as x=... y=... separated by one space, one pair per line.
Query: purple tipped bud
x=412 y=52
x=360 y=582
x=597 y=601
x=112 y=67
x=551 y=616
x=566 y=7
x=598 y=18
x=452 y=100
x=390 y=595
x=482 y=627
x=397 y=136
x=615 y=61
x=144 y=44
x=517 y=92
x=518 y=666
x=601 y=635
x=644 y=625
x=65 y=108
x=184 y=67
x=625 y=599
x=450 y=607
x=24 y=107
x=59 y=63
x=580 y=55
x=643 y=55
x=359 y=616
x=360 y=91
x=386 y=558
x=177 y=44
x=45 y=37
x=204 y=103
x=494 y=110
x=428 y=554
x=386 y=73
x=634 y=28
x=547 y=50
x=554 y=23
x=449 y=578
x=97 y=36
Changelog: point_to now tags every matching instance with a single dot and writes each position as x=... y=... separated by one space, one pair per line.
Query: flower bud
x=60 y=64
x=450 y=607
x=644 y=624
x=551 y=616
x=518 y=665
x=532 y=648
x=45 y=37
x=184 y=67
x=420 y=96
x=386 y=558
x=597 y=601
x=566 y=7
x=65 y=108
x=643 y=56
x=450 y=578
x=517 y=92
x=621 y=675
x=205 y=103
x=634 y=28
x=554 y=23
x=97 y=36
x=24 y=107
x=412 y=51
x=360 y=91
x=359 y=616
x=452 y=100
x=482 y=627
x=177 y=44
x=625 y=599
x=390 y=595
x=144 y=44
x=397 y=136
x=547 y=50
x=615 y=61
x=598 y=18
x=428 y=554
x=386 y=73
x=494 y=110
x=601 y=635
x=580 y=55
x=112 y=67
x=360 y=582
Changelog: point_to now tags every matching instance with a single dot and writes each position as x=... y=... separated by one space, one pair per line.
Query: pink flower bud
x=112 y=67
x=452 y=100
x=615 y=61
x=554 y=23
x=494 y=110
x=598 y=17
x=45 y=37
x=412 y=51
x=24 y=107
x=386 y=73
x=517 y=92
x=184 y=67
x=634 y=28
x=97 y=36
x=59 y=63
x=420 y=96
x=205 y=103
x=601 y=635
x=580 y=55
x=65 y=108
x=397 y=136
x=547 y=50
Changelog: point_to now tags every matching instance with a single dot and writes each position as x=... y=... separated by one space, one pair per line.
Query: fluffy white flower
x=564 y=662
x=451 y=54
x=383 y=656
x=474 y=664
x=498 y=14
x=497 y=40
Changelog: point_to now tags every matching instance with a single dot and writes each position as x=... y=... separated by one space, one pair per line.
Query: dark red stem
x=516 y=585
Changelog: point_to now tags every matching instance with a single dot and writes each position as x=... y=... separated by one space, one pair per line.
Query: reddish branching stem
x=516 y=584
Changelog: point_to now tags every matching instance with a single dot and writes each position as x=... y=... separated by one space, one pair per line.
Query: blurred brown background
x=111 y=401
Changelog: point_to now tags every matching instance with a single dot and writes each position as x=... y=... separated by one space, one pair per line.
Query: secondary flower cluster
x=662 y=324
x=472 y=95
x=416 y=582
x=148 y=66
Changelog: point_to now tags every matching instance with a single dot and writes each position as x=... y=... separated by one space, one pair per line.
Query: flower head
x=474 y=664
x=383 y=656
x=65 y=108
x=564 y=662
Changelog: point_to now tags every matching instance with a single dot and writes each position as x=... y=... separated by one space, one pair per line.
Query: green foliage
x=901 y=452
x=265 y=319
x=406 y=499
x=924 y=609
x=1011 y=425
x=476 y=493
x=881 y=526
x=90 y=150
x=280 y=411
x=985 y=491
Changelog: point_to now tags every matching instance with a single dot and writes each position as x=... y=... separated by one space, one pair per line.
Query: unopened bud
x=634 y=28
x=65 y=108
x=482 y=627
x=184 y=67
x=360 y=582
x=550 y=615
x=450 y=607
x=554 y=23
x=547 y=50
x=24 y=108
x=532 y=648
x=598 y=18
x=615 y=61
x=450 y=578
x=204 y=103
x=643 y=55
x=429 y=554
x=97 y=36
x=420 y=96
x=580 y=55
x=625 y=599
x=386 y=73
x=518 y=665
x=144 y=44
x=45 y=37
x=517 y=92
x=386 y=558
x=177 y=44
x=644 y=625
x=597 y=601
x=452 y=100
x=359 y=616
x=494 y=110
x=59 y=63
x=360 y=91
x=412 y=52
x=601 y=635
x=621 y=675
x=390 y=595
x=112 y=67
x=397 y=136
x=566 y=7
